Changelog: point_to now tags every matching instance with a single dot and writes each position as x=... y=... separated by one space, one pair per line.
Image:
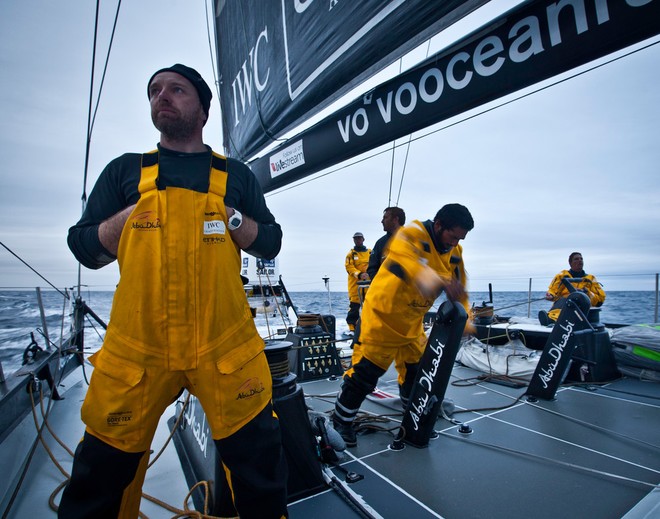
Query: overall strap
x=149 y=173
x=218 y=180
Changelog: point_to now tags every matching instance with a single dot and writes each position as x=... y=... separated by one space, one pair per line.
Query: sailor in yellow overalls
x=356 y=263
x=424 y=258
x=557 y=291
x=179 y=320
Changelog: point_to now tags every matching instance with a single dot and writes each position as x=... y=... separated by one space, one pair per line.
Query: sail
x=282 y=61
x=534 y=41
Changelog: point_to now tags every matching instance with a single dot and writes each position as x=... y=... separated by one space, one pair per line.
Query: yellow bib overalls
x=179 y=319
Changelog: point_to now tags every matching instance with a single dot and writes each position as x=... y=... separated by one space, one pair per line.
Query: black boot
x=406 y=389
x=353 y=391
x=544 y=319
x=345 y=430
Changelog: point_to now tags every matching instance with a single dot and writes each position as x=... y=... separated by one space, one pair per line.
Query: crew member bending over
x=424 y=259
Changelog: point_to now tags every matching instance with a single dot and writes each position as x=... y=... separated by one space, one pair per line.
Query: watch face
x=235 y=221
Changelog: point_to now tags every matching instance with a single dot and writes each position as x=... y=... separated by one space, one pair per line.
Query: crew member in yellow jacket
x=558 y=292
x=424 y=259
x=357 y=261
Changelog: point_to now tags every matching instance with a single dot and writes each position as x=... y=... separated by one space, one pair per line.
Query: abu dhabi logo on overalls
x=146 y=221
x=251 y=387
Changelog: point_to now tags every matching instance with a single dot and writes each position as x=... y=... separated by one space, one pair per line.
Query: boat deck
x=165 y=480
x=591 y=452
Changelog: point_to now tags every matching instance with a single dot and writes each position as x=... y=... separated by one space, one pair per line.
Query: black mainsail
x=280 y=62
x=534 y=41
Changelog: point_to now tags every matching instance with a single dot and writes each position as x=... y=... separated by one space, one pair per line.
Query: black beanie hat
x=194 y=77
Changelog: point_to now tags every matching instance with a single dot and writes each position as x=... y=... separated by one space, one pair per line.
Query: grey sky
x=573 y=167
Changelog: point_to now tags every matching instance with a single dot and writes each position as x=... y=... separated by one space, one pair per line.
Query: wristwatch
x=235 y=221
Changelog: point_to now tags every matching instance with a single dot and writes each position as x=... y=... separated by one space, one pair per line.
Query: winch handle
x=567 y=283
x=490 y=296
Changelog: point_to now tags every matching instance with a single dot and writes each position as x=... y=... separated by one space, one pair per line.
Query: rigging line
x=519 y=304
x=32 y=269
x=540 y=89
x=26 y=466
x=32 y=384
x=208 y=37
x=389 y=194
x=91 y=114
x=89 y=108
x=276 y=298
x=358 y=161
x=216 y=83
x=105 y=70
x=60 y=348
x=403 y=172
x=405 y=162
x=473 y=116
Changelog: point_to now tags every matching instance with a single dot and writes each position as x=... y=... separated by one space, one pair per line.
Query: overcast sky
x=572 y=167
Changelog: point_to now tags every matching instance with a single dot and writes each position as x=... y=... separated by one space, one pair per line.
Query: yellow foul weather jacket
x=394 y=309
x=356 y=263
x=588 y=284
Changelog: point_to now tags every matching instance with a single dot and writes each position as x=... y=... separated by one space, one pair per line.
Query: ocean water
x=20 y=316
